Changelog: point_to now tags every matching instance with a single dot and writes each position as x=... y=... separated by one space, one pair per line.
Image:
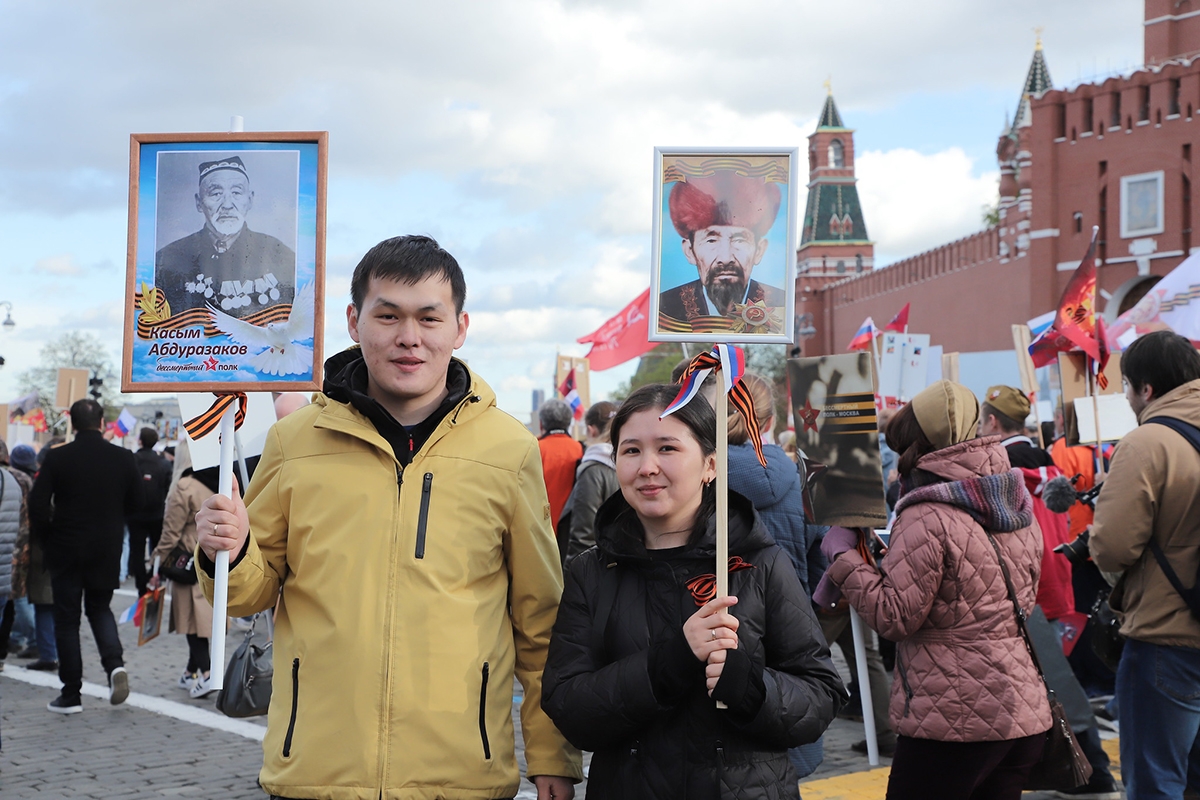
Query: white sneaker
x=202 y=687
x=186 y=680
x=118 y=686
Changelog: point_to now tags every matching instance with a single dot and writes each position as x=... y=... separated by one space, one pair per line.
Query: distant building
x=1115 y=154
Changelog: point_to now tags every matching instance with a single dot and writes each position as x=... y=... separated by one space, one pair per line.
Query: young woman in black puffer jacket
x=641 y=649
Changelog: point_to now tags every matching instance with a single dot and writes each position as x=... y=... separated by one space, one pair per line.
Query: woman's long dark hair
x=699 y=418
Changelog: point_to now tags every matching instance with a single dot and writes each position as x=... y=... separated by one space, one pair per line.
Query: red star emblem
x=809 y=415
x=211 y=363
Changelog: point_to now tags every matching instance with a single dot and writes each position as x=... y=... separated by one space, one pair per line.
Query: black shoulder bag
x=1063 y=766
x=247 y=685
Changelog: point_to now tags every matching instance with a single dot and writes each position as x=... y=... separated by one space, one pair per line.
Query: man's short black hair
x=1006 y=423
x=148 y=437
x=1163 y=359
x=86 y=415
x=410 y=259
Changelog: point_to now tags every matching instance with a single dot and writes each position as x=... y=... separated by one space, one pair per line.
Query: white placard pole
x=722 y=565
x=221 y=574
x=858 y=630
x=241 y=460
x=225 y=487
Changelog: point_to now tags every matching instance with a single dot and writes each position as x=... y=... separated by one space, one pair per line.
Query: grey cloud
x=457 y=87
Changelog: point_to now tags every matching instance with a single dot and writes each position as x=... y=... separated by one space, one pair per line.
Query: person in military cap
x=225 y=264
x=723 y=220
x=1003 y=414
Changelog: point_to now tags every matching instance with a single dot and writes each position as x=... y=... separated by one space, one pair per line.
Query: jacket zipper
x=399 y=479
x=423 y=517
x=908 y=695
x=287 y=740
x=487 y=748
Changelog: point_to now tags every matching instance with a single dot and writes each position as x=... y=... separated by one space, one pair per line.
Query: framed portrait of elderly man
x=224 y=285
x=724 y=245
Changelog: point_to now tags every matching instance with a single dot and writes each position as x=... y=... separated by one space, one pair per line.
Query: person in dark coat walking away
x=595 y=482
x=78 y=506
x=642 y=649
x=145 y=525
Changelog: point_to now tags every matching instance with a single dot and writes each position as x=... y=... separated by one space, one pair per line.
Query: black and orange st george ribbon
x=204 y=424
x=739 y=396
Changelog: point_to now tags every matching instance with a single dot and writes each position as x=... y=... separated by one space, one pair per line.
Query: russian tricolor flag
x=125 y=422
x=571 y=394
x=866 y=333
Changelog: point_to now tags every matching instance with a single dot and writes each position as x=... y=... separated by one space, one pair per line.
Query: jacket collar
x=1182 y=402
x=340 y=412
x=619 y=532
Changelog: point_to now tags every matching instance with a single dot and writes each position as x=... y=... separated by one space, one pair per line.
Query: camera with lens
x=1076 y=550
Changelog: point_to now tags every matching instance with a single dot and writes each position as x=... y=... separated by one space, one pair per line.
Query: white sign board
x=903 y=370
x=1116 y=418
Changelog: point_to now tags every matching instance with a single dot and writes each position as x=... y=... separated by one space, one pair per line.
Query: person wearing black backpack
x=1147 y=530
x=145 y=524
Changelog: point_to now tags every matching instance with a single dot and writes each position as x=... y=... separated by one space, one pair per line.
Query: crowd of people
x=421 y=550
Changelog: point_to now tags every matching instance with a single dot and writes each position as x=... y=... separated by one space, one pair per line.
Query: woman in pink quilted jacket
x=967 y=703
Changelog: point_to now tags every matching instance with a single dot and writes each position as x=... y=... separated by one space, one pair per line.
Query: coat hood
x=339 y=411
x=763 y=487
x=999 y=503
x=969 y=459
x=601 y=453
x=619 y=533
x=1182 y=402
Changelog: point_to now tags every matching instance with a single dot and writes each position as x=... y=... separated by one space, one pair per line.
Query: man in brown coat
x=1147 y=527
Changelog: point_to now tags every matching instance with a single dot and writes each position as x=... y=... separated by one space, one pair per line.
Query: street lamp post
x=8 y=323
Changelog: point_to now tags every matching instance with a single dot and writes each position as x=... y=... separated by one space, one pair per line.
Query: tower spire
x=1037 y=81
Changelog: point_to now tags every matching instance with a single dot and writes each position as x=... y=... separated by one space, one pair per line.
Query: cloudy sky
x=517 y=132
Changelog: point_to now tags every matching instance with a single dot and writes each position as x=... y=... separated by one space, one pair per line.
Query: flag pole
x=1092 y=390
x=722 y=565
x=858 y=631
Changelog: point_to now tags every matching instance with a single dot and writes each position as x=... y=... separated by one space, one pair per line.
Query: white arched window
x=837 y=154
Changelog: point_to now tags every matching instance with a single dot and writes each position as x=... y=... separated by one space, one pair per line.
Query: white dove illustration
x=280 y=355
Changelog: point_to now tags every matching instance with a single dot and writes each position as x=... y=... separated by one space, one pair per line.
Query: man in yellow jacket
x=404 y=518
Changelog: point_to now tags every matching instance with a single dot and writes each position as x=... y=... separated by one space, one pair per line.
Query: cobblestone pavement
x=143 y=749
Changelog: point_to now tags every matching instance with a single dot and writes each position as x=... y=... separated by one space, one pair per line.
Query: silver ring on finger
x=712 y=634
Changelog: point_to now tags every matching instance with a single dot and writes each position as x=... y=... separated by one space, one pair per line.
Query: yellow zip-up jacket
x=410 y=597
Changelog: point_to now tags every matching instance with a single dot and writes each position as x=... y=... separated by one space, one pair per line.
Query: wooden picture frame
x=737 y=283
x=225 y=272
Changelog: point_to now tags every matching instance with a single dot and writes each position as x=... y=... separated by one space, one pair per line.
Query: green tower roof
x=830 y=118
x=1036 y=82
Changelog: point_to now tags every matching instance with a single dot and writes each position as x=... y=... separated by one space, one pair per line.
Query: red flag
x=1076 y=317
x=899 y=323
x=621 y=338
x=1076 y=322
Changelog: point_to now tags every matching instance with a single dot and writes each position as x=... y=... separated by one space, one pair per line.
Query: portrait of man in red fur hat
x=722 y=219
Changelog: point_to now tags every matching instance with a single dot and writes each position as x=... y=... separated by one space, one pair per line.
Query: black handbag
x=247 y=685
x=1107 y=641
x=1063 y=765
x=179 y=566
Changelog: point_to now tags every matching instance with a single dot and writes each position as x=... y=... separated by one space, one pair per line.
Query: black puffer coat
x=631 y=690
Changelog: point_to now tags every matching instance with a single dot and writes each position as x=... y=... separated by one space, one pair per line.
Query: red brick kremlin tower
x=1116 y=154
x=834 y=243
